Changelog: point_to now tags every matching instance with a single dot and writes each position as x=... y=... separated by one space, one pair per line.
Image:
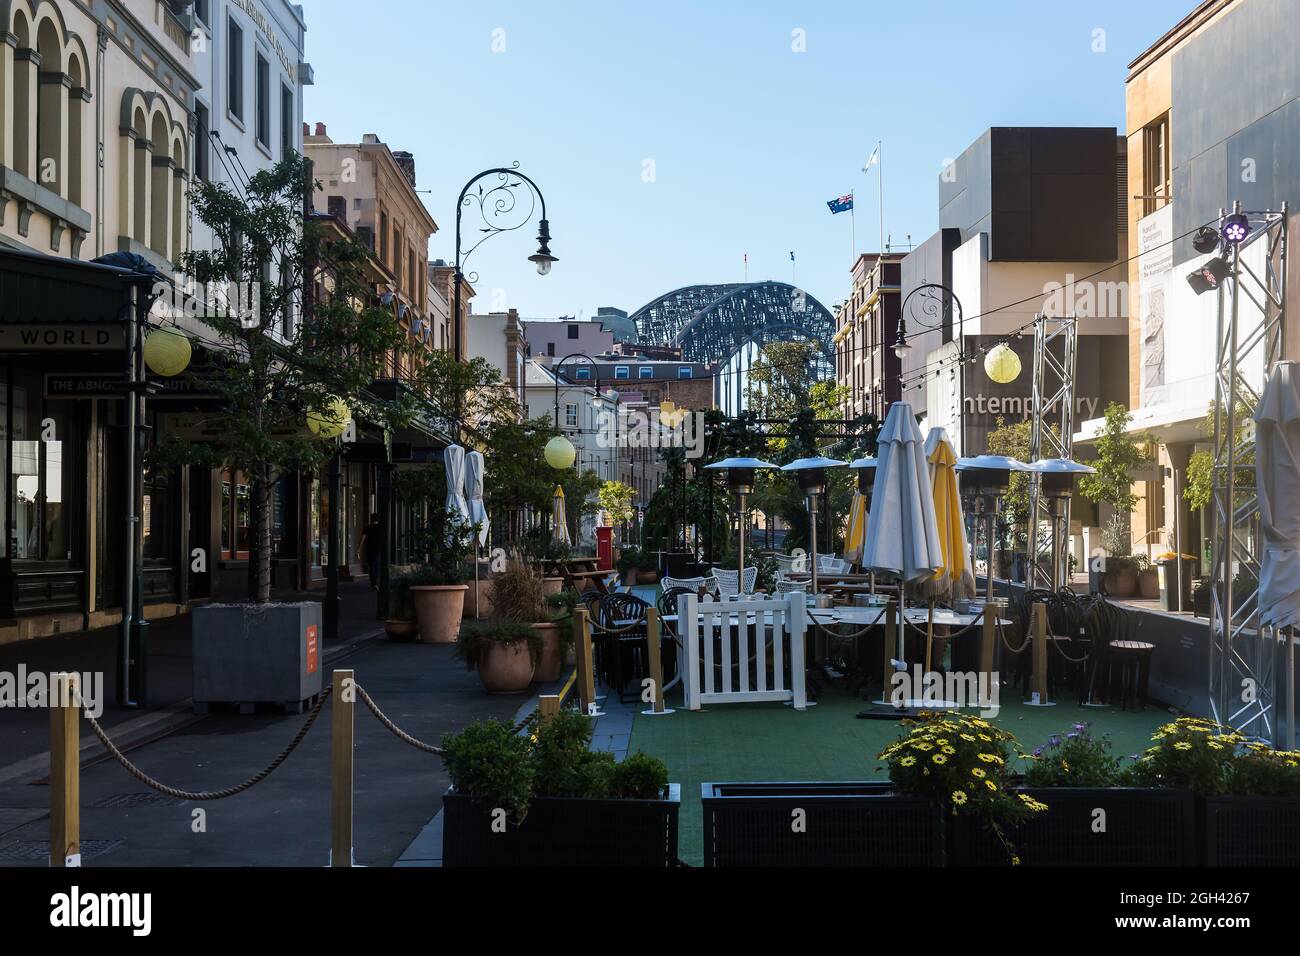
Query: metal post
x=812 y=537
x=385 y=504
x=331 y=610
x=342 y=772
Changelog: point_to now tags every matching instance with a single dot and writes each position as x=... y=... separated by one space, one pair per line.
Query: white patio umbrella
x=1277 y=475
x=453 y=458
x=477 y=512
x=902 y=537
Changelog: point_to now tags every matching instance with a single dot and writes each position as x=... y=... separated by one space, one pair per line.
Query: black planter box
x=845 y=824
x=1250 y=831
x=1143 y=828
x=563 y=831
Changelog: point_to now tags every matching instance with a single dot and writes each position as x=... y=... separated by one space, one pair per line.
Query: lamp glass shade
x=167 y=352
x=331 y=422
x=560 y=453
x=1002 y=364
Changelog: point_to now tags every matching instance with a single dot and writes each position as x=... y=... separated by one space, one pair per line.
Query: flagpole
x=853 y=230
x=880 y=163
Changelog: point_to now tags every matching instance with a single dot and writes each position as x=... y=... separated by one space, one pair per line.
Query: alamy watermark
x=633 y=428
x=232 y=300
x=22 y=689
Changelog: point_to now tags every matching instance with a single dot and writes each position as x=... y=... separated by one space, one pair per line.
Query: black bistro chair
x=620 y=642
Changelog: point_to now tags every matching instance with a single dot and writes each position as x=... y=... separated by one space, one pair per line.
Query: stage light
x=1206 y=240
x=1235 y=228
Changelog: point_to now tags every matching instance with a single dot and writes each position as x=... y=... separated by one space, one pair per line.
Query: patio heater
x=1056 y=478
x=866 y=468
x=740 y=482
x=811 y=474
x=986 y=478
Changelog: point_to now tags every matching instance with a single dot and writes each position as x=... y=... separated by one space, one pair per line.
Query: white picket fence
x=743 y=651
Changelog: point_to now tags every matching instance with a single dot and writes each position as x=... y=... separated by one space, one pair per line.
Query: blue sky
x=748 y=138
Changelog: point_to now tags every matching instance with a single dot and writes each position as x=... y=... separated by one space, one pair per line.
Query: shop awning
x=37 y=289
x=1166 y=423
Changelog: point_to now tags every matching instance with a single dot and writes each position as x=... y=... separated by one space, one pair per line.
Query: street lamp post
x=931 y=305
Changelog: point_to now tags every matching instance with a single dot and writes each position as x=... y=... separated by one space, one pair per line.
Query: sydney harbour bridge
x=724 y=322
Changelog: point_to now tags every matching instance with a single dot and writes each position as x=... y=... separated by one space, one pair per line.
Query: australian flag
x=843 y=204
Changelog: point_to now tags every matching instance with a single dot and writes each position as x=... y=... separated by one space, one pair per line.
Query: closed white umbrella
x=902 y=537
x=474 y=494
x=1277 y=477
x=454 y=460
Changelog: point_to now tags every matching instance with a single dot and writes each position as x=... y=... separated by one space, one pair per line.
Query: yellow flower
x=1213 y=746
x=923 y=746
x=970 y=737
x=907 y=761
x=958 y=797
x=986 y=738
x=939 y=759
x=1065 y=765
x=949 y=751
x=1182 y=745
x=991 y=785
x=1015 y=861
x=978 y=772
x=991 y=758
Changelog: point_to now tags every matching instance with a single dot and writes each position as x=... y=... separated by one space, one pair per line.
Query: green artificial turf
x=735 y=742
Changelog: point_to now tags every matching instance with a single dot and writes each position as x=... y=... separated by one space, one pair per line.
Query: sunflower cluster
x=960 y=763
x=1191 y=753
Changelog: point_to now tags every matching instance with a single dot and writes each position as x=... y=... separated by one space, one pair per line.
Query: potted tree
x=401 y=625
x=504 y=653
x=284 y=395
x=439 y=598
x=629 y=563
x=548 y=800
x=1148 y=577
x=1118 y=455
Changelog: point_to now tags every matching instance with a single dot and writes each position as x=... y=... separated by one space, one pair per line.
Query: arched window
x=77 y=96
x=160 y=184
x=26 y=66
x=180 y=187
x=51 y=110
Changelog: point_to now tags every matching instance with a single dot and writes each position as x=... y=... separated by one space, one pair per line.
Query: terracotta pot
x=438 y=609
x=647 y=577
x=1149 y=584
x=506 y=668
x=400 y=630
x=484 y=601
x=552 y=585
x=549 y=664
x=631 y=576
x=1120 y=584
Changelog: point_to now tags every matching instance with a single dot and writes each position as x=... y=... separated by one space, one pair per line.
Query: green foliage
x=489 y=761
x=639 y=776
x=476 y=638
x=959 y=762
x=615 y=499
x=400 y=588
x=629 y=558
x=1262 y=772
x=1076 y=759
x=1189 y=754
x=1013 y=441
x=1118 y=454
x=1199 y=490
x=517 y=593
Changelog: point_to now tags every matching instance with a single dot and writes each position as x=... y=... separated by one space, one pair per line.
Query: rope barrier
x=396 y=731
x=207 y=795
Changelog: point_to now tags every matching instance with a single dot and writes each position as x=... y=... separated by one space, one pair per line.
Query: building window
x=40 y=490
x=287 y=123
x=235 y=70
x=684 y=371
x=573 y=331
x=571 y=415
x=583 y=373
x=645 y=371
x=621 y=371
x=383 y=238
x=1157 y=185
x=201 y=146
x=201 y=10
x=263 y=101
x=338 y=207
x=550 y=348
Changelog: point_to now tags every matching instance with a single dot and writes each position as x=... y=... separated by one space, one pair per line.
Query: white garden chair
x=728 y=582
x=785 y=563
x=693 y=584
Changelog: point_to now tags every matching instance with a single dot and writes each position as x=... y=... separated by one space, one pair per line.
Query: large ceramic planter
x=563 y=831
x=484 y=601
x=1120 y=584
x=549 y=664
x=631 y=576
x=844 y=824
x=1250 y=831
x=552 y=585
x=1149 y=585
x=1084 y=826
x=506 y=668
x=438 y=610
x=401 y=631
x=647 y=577
x=250 y=654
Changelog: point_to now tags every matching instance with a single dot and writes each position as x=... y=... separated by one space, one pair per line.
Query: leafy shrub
x=639 y=777
x=476 y=639
x=489 y=761
x=1076 y=760
x=1262 y=772
x=1191 y=753
x=959 y=762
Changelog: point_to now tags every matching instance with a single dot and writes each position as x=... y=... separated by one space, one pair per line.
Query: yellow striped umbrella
x=954 y=580
x=559 y=521
x=857 y=532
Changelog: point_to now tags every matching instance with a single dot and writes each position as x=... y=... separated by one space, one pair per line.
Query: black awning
x=40 y=289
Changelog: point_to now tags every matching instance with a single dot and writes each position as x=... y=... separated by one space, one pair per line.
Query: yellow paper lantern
x=332 y=422
x=1002 y=364
x=560 y=453
x=167 y=352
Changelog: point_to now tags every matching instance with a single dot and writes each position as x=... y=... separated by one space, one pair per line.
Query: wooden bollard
x=548 y=705
x=988 y=641
x=342 y=706
x=1038 y=630
x=891 y=648
x=654 y=662
x=586 y=677
x=65 y=771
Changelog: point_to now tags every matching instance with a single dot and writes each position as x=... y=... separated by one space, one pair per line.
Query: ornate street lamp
x=811 y=474
x=740 y=482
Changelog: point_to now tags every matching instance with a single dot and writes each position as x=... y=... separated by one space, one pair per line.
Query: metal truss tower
x=1056 y=359
x=1249 y=342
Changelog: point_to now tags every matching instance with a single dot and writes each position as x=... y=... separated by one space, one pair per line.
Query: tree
x=615 y=499
x=1012 y=441
x=1118 y=453
x=270 y=385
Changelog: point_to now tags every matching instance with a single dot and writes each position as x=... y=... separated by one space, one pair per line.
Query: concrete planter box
x=257 y=653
